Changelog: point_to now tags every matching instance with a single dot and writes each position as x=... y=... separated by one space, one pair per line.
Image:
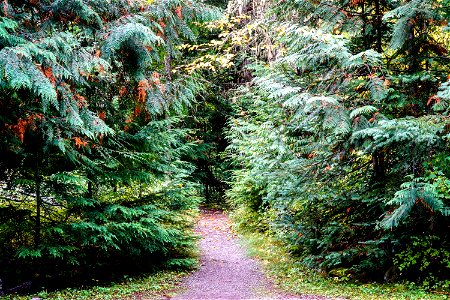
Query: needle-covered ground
x=226 y=272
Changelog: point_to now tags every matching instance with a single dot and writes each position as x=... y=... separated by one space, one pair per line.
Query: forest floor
x=226 y=272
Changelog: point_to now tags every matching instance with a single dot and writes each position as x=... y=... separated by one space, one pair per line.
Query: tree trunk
x=168 y=67
x=379 y=171
x=207 y=196
x=379 y=25
x=90 y=193
x=364 y=25
x=37 y=226
x=412 y=50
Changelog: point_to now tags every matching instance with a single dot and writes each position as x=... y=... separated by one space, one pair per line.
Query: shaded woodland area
x=324 y=124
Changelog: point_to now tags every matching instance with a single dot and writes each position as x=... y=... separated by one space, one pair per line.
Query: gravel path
x=226 y=272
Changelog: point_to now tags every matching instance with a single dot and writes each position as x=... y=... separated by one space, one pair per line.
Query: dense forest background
x=321 y=123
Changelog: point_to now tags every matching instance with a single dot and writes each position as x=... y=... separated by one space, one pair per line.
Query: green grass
x=155 y=286
x=286 y=273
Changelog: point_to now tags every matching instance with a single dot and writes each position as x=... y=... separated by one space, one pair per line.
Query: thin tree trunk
x=379 y=170
x=168 y=67
x=37 y=180
x=90 y=193
x=412 y=53
x=90 y=190
x=207 y=197
x=379 y=26
x=364 y=25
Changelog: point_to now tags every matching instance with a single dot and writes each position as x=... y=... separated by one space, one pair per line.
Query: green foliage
x=112 y=128
x=338 y=142
x=94 y=171
x=411 y=193
x=427 y=256
x=294 y=278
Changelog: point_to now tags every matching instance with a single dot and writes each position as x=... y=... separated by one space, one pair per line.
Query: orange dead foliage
x=23 y=124
x=433 y=99
x=142 y=90
x=5 y=8
x=100 y=140
x=48 y=72
x=79 y=142
x=178 y=11
x=21 y=128
x=138 y=110
x=122 y=91
x=101 y=69
x=81 y=101
x=102 y=115
x=163 y=25
x=356 y=2
x=128 y=121
x=156 y=78
x=374 y=117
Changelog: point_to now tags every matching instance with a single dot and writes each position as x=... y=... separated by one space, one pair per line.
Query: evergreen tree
x=92 y=165
x=338 y=142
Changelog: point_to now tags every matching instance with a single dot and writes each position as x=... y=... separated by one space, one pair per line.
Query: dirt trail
x=226 y=272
